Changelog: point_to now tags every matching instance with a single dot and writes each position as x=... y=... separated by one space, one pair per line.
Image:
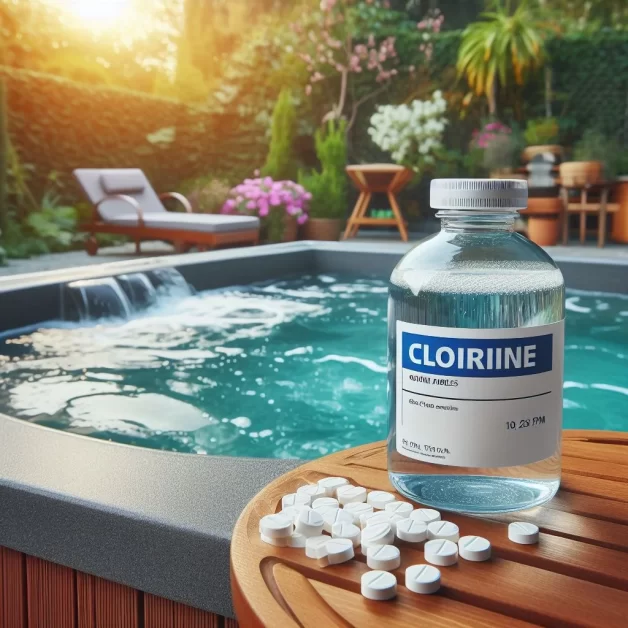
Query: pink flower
x=302 y=219
x=308 y=90
x=274 y=199
x=251 y=205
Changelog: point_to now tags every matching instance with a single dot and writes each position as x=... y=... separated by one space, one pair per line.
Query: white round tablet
x=379 y=499
x=403 y=509
x=378 y=585
x=357 y=510
x=313 y=491
x=292 y=512
x=325 y=502
x=295 y=499
x=339 y=551
x=426 y=515
x=335 y=516
x=377 y=534
x=412 y=531
x=331 y=485
x=394 y=520
x=315 y=546
x=279 y=542
x=309 y=523
x=374 y=518
x=523 y=533
x=276 y=526
x=443 y=530
x=344 y=530
x=296 y=540
x=441 y=552
x=349 y=494
x=384 y=557
x=474 y=548
x=422 y=579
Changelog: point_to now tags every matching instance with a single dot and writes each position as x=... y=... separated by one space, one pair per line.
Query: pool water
x=289 y=369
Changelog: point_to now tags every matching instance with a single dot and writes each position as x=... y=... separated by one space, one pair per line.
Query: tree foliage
x=503 y=49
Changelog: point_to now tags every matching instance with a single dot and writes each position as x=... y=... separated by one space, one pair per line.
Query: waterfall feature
x=121 y=296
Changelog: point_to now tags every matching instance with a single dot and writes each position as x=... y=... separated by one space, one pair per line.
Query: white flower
x=410 y=133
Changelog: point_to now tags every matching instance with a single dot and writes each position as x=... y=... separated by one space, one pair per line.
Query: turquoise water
x=290 y=369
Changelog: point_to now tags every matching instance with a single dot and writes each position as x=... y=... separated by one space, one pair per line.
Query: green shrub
x=207 y=195
x=329 y=185
x=280 y=163
x=595 y=146
x=541 y=131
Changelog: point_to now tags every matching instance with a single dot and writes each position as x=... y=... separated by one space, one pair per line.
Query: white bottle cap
x=496 y=195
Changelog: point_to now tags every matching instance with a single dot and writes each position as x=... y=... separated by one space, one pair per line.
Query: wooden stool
x=575 y=576
x=586 y=205
x=369 y=179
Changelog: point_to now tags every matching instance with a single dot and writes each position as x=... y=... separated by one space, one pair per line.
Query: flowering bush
x=349 y=50
x=489 y=133
x=271 y=201
x=498 y=144
x=413 y=133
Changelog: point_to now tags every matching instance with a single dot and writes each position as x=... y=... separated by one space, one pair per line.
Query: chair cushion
x=208 y=223
x=130 y=182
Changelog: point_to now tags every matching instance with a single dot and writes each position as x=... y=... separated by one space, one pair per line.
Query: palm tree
x=503 y=49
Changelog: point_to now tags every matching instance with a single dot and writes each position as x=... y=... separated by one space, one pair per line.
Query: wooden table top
x=376 y=168
x=576 y=576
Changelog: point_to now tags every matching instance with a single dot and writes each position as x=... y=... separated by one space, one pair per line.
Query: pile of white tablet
x=333 y=518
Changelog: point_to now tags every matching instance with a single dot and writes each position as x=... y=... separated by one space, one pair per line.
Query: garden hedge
x=59 y=125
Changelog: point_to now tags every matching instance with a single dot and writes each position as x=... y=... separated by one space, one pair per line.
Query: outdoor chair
x=590 y=198
x=125 y=203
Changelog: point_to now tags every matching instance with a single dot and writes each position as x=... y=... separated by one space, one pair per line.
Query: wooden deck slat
x=515 y=590
x=590 y=506
x=50 y=594
x=576 y=576
x=428 y=611
x=602 y=469
x=617 y=491
x=596 y=451
x=12 y=593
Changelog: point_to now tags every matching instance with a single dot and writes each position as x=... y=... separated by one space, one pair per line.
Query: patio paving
x=58 y=261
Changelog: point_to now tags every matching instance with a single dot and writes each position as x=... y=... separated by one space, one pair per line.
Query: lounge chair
x=125 y=203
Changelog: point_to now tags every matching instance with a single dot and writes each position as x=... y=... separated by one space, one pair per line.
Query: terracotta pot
x=543 y=216
x=322 y=229
x=530 y=152
x=580 y=173
x=620 y=219
x=290 y=229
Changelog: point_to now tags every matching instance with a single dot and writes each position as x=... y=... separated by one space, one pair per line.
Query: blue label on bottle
x=472 y=357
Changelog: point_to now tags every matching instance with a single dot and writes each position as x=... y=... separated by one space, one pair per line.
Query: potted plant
x=620 y=219
x=280 y=205
x=541 y=136
x=589 y=156
x=328 y=186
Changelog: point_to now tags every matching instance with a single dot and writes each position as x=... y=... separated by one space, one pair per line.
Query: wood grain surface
x=576 y=576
